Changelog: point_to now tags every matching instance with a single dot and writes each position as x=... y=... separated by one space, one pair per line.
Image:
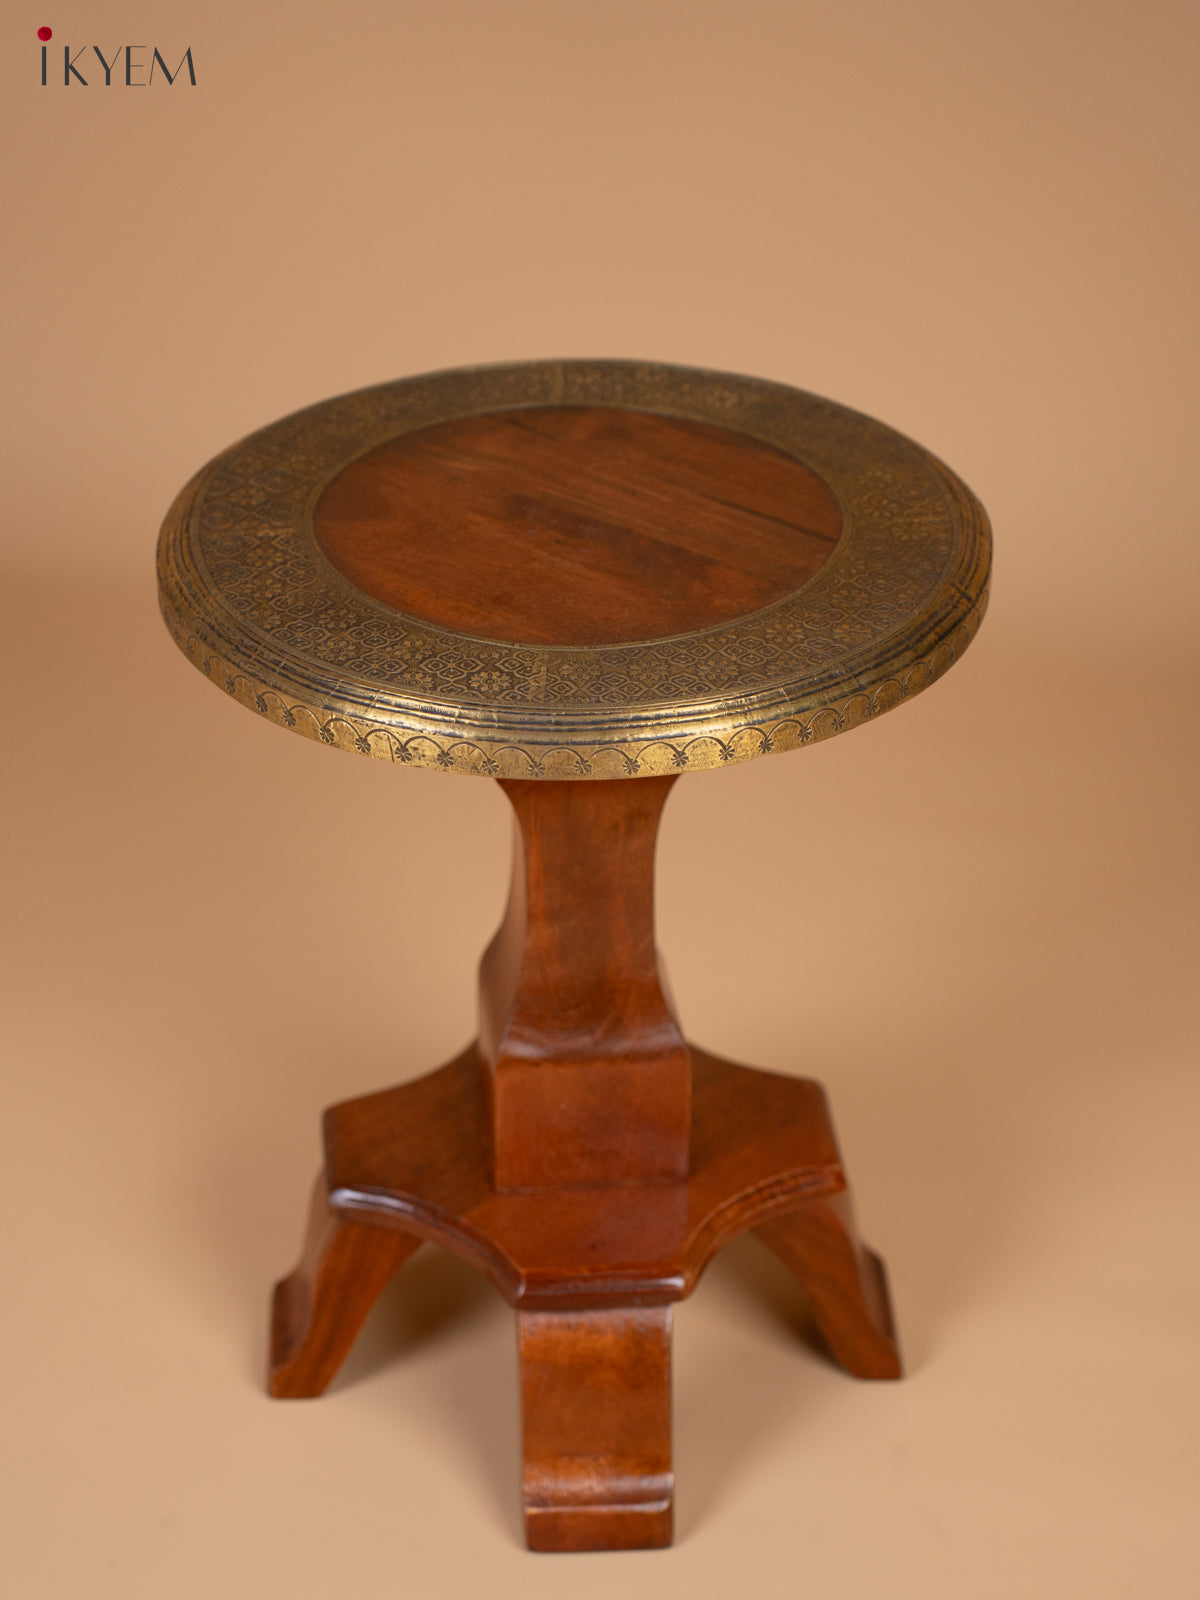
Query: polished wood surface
x=418 y=1158
x=590 y=1072
x=577 y=525
x=596 y=1428
x=318 y=1310
x=845 y=1282
x=578 y=1038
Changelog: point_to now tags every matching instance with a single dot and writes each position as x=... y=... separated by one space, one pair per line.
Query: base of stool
x=591 y=1271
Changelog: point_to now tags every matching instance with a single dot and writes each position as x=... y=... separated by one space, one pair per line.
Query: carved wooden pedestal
x=591 y=1163
x=581 y=578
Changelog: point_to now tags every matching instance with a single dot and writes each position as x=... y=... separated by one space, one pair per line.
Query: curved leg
x=596 y=1411
x=317 y=1312
x=844 y=1280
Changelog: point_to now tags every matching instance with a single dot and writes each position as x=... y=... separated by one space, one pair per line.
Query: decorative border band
x=418 y=746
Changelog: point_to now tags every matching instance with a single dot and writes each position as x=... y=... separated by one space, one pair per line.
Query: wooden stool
x=567 y=575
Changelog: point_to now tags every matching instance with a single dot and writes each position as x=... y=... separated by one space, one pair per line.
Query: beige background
x=975 y=920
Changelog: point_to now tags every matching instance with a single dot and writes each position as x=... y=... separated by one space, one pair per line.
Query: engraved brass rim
x=253 y=602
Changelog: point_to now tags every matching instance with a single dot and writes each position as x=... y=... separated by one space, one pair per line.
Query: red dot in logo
x=45 y=33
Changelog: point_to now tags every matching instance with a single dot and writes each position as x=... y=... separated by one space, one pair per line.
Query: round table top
x=574 y=569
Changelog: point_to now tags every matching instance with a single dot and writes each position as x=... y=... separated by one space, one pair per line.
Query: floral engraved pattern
x=253 y=602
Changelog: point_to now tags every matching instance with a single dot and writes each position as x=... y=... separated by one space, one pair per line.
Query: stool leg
x=596 y=1412
x=844 y=1280
x=317 y=1311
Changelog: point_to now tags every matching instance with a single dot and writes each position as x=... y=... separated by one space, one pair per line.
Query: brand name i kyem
x=127 y=65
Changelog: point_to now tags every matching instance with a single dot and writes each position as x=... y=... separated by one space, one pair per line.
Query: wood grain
x=591 y=1082
x=418 y=1158
x=318 y=1310
x=845 y=1282
x=576 y=525
x=591 y=1164
x=596 y=1428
